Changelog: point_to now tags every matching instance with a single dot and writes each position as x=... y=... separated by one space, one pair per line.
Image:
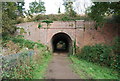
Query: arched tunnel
x=61 y=42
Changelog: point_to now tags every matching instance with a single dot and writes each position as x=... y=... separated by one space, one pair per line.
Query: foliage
x=48 y=22
x=19 y=36
x=116 y=56
x=10 y=12
x=28 y=67
x=102 y=54
x=22 y=42
x=25 y=67
x=40 y=17
x=69 y=8
x=100 y=10
x=20 y=20
x=29 y=16
x=20 y=8
x=49 y=17
x=39 y=25
x=22 y=30
x=11 y=48
x=116 y=45
x=113 y=19
x=89 y=70
x=40 y=71
x=36 y=7
x=97 y=53
x=60 y=17
x=8 y=17
x=65 y=18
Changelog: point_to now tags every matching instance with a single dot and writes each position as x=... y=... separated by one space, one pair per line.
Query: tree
x=36 y=7
x=100 y=10
x=9 y=16
x=69 y=8
x=20 y=8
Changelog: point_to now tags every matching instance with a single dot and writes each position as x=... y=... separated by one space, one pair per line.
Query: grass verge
x=88 y=70
x=39 y=73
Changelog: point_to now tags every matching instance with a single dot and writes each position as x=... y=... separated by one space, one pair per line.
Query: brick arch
x=81 y=32
x=61 y=36
x=65 y=32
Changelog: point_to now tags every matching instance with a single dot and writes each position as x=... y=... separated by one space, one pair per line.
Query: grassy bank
x=39 y=73
x=26 y=67
x=89 y=70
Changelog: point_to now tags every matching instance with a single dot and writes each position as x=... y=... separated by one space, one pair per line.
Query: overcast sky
x=53 y=5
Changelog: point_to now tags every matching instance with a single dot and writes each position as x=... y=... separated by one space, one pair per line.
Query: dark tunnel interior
x=61 y=42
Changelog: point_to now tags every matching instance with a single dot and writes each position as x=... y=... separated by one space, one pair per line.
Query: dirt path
x=59 y=68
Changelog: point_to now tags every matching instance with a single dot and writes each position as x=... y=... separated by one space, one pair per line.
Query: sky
x=53 y=5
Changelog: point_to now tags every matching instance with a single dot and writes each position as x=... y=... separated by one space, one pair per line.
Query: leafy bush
x=116 y=45
x=39 y=17
x=20 y=36
x=101 y=54
x=39 y=25
x=26 y=43
x=115 y=57
x=60 y=17
x=27 y=67
x=22 y=42
x=47 y=22
x=65 y=18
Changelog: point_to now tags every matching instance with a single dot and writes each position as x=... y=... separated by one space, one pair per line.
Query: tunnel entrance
x=61 y=42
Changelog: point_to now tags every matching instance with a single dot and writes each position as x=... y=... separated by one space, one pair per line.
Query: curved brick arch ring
x=64 y=37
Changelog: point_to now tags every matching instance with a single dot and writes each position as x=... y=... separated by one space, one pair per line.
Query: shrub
x=26 y=43
x=65 y=18
x=22 y=30
x=47 y=22
x=60 y=17
x=39 y=25
x=20 y=36
x=101 y=54
x=115 y=57
x=116 y=45
x=39 y=17
x=27 y=67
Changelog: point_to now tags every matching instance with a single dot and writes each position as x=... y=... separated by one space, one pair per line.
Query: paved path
x=59 y=68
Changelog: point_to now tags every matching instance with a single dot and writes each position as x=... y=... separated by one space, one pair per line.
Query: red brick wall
x=102 y=35
x=89 y=36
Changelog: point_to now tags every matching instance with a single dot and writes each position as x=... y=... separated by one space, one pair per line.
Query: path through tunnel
x=61 y=42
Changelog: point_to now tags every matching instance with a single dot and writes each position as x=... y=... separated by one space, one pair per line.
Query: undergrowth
x=21 y=41
x=26 y=66
x=105 y=55
x=89 y=70
x=98 y=61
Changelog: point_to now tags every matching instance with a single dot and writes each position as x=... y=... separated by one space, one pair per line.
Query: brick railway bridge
x=69 y=33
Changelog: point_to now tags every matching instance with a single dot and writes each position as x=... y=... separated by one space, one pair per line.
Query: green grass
x=29 y=68
x=39 y=73
x=89 y=70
